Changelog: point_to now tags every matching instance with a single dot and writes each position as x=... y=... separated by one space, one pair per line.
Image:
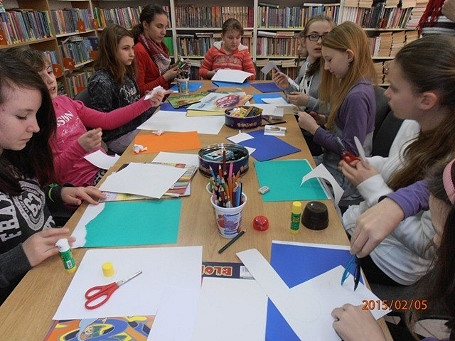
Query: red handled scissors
x=348 y=157
x=98 y=295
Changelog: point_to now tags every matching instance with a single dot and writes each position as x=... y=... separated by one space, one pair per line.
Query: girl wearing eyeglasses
x=347 y=93
x=309 y=78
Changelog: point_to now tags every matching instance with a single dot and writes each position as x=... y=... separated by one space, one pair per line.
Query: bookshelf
x=68 y=29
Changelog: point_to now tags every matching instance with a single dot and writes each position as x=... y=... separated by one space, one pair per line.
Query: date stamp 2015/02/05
x=415 y=304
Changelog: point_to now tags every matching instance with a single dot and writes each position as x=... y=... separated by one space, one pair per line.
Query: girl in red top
x=228 y=53
x=152 y=55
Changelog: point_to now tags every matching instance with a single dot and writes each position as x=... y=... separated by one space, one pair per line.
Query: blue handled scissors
x=98 y=295
x=354 y=261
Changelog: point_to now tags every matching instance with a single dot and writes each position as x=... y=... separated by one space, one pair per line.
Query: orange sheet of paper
x=168 y=142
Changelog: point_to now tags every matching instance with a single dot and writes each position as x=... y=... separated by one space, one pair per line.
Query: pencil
x=232 y=241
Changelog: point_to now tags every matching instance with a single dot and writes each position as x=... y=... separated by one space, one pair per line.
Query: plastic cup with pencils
x=228 y=219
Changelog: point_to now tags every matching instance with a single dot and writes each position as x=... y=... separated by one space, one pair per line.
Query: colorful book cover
x=133 y=328
x=178 y=100
x=225 y=270
x=217 y=101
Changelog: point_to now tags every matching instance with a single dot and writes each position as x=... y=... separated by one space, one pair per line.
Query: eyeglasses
x=315 y=37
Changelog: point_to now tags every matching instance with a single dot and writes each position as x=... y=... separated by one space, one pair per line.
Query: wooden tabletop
x=28 y=311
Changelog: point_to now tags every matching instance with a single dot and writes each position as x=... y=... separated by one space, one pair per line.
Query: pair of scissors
x=98 y=295
x=354 y=261
x=348 y=157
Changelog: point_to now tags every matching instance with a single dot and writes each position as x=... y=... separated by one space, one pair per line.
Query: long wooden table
x=28 y=311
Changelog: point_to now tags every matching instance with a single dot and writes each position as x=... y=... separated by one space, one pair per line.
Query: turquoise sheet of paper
x=128 y=223
x=284 y=177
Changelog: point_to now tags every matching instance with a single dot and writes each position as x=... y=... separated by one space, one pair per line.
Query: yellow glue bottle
x=66 y=255
x=295 y=216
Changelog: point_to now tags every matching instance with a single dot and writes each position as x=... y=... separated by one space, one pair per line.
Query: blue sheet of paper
x=258 y=98
x=283 y=177
x=268 y=147
x=297 y=264
x=267 y=87
x=194 y=86
x=230 y=84
x=128 y=223
x=166 y=106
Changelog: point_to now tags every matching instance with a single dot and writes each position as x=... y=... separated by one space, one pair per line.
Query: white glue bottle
x=66 y=255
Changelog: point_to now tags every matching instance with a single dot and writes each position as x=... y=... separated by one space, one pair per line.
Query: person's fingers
x=358 y=240
x=336 y=313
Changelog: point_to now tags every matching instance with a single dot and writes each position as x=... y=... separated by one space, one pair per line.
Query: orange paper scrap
x=168 y=142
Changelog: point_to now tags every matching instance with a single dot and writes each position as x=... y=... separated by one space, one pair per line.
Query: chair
x=83 y=96
x=386 y=125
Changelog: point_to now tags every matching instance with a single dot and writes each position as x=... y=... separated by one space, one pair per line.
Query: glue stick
x=295 y=216
x=66 y=255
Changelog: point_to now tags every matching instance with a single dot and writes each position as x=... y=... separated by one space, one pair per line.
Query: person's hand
x=448 y=9
x=280 y=79
x=297 y=98
x=374 y=225
x=171 y=73
x=91 y=140
x=158 y=95
x=307 y=122
x=352 y=324
x=320 y=118
x=211 y=73
x=41 y=245
x=76 y=195
x=357 y=171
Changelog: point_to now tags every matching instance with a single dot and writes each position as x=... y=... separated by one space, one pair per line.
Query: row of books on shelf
x=294 y=17
x=78 y=81
x=417 y=13
x=70 y=20
x=199 y=44
x=124 y=16
x=387 y=44
x=79 y=49
x=267 y=46
x=213 y=16
x=377 y=16
x=18 y=26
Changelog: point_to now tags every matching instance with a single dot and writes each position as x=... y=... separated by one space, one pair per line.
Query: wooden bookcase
x=270 y=29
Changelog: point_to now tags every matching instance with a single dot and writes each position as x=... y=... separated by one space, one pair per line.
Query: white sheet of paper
x=307 y=306
x=177 y=304
x=162 y=267
x=321 y=172
x=326 y=294
x=178 y=121
x=250 y=150
x=270 y=110
x=147 y=179
x=276 y=101
x=360 y=149
x=240 y=137
x=268 y=67
x=101 y=160
x=187 y=159
x=80 y=231
x=240 y=303
x=228 y=75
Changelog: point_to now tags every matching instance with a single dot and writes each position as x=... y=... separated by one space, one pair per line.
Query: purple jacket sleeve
x=412 y=199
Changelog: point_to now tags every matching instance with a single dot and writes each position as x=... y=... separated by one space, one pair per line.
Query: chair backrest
x=83 y=96
x=386 y=125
